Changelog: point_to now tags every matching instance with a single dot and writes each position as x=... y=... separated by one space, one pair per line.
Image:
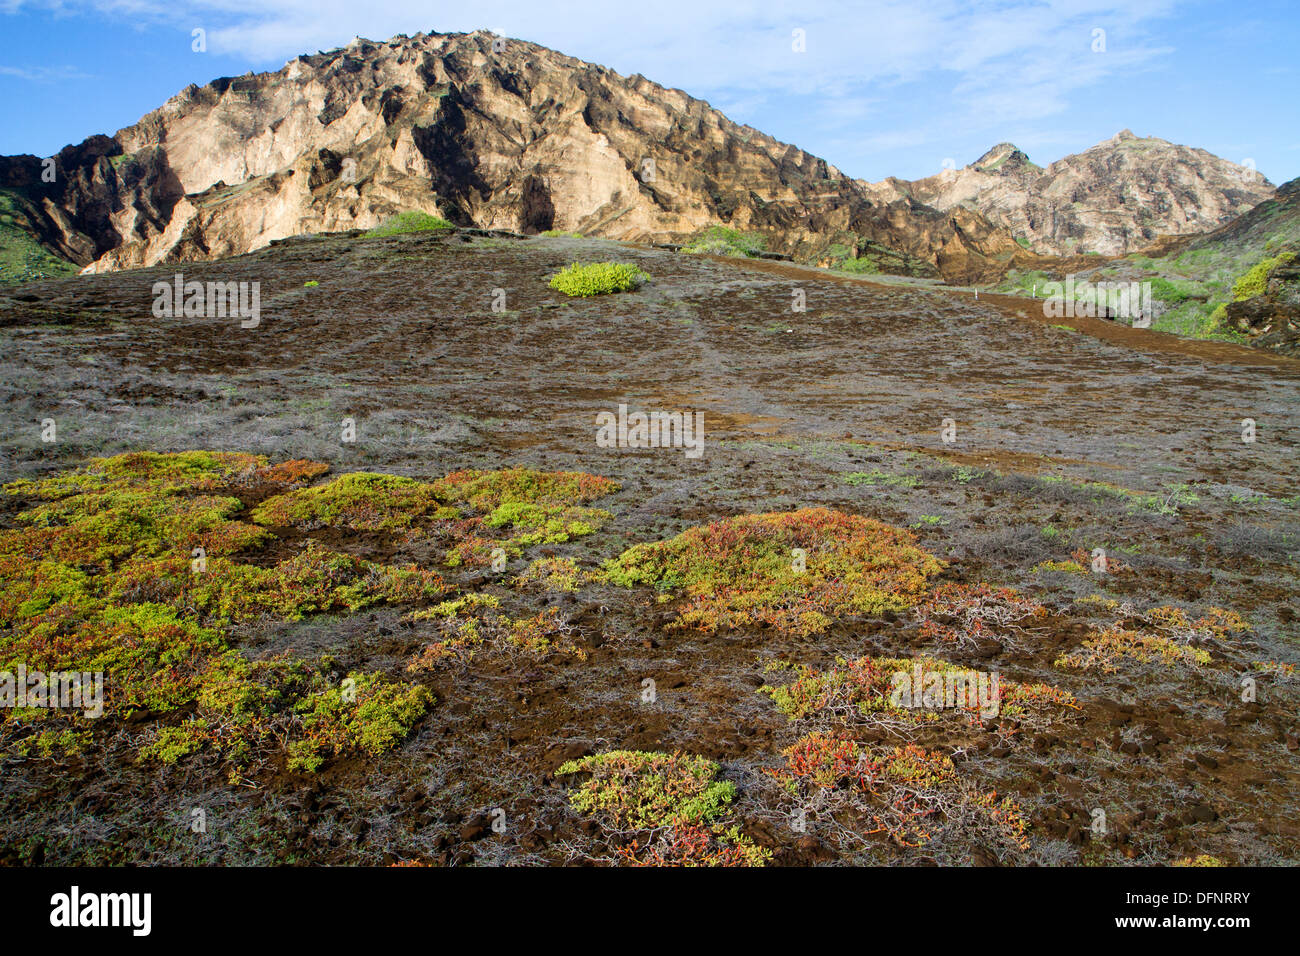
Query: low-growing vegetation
x=130 y=567
x=906 y=795
x=411 y=221
x=966 y=615
x=598 y=278
x=669 y=809
x=893 y=691
x=1107 y=649
x=476 y=512
x=725 y=241
x=796 y=571
x=554 y=574
x=1255 y=281
x=138 y=565
x=467 y=623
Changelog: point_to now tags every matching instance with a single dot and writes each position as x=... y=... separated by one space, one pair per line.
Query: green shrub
x=860 y=266
x=371 y=716
x=722 y=241
x=598 y=278
x=1255 y=281
x=640 y=790
x=1166 y=291
x=559 y=234
x=413 y=221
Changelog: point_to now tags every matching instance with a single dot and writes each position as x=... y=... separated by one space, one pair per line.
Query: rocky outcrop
x=497 y=134
x=1272 y=320
x=1269 y=236
x=1117 y=197
x=79 y=204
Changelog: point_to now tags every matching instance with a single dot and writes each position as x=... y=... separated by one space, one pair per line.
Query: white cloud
x=740 y=43
x=44 y=74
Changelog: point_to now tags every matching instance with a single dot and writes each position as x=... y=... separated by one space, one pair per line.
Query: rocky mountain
x=503 y=134
x=1119 y=196
x=481 y=130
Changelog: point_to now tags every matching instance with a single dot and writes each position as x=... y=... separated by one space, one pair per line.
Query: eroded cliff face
x=1117 y=197
x=494 y=133
x=83 y=202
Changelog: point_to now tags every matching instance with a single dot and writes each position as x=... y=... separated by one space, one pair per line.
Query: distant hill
x=1117 y=197
x=1237 y=282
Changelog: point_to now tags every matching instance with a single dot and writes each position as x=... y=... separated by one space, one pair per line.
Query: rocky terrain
x=1120 y=196
x=506 y=642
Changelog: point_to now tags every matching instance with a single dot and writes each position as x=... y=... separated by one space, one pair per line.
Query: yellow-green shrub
x=598 y=278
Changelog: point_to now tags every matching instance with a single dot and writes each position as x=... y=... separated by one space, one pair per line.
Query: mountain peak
x=1003 y=157
x=1104 y=199
x=511 y=135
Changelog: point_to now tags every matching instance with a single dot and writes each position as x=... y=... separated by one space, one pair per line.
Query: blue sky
x=884 y=87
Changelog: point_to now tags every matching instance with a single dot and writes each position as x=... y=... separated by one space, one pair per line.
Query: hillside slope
x=1237 y=283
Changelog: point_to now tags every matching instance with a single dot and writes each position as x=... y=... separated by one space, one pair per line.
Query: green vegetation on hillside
x=413 y=221
x=1192 y=287
x=1255 y=281
x=723 y=241
x=858 y=255
x=22 y=257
